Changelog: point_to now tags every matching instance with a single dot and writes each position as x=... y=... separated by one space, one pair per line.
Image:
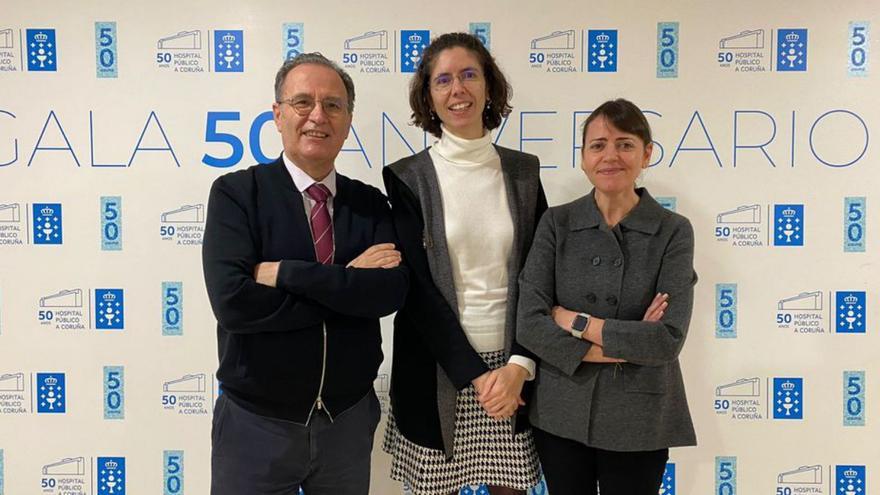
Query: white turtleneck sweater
x=479 y=234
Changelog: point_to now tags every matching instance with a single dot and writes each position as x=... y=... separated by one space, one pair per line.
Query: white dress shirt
x=303 y=181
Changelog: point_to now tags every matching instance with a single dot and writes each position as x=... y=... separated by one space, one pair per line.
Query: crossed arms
x=304 y=293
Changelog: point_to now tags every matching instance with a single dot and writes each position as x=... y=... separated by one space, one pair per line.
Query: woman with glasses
x=605 y=302
x=465 y=213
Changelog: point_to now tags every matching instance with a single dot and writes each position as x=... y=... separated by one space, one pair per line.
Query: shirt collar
x=302 y=180
x=645 y=217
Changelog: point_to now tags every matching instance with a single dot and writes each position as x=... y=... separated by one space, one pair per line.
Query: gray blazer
x=579 y=263
x=455 y=363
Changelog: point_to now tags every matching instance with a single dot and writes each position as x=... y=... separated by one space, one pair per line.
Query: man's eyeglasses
x=443 y=82
x=303 y=107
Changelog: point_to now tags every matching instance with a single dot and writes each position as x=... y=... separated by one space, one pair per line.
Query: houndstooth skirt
x=484 y=451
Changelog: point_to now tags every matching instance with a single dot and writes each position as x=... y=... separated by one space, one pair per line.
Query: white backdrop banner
x=115 y=119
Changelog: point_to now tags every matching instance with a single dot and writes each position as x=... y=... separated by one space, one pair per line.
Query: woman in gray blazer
x=605 y=302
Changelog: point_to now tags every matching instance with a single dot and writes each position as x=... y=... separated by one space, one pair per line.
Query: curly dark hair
x=497 y=89
x=622 y=114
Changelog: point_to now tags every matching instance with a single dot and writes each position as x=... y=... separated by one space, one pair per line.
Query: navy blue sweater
x=316 y=334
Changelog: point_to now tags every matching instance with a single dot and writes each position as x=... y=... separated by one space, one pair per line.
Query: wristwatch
x=579 y=325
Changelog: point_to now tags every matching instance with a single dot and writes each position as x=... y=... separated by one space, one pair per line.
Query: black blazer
x=271 y=341
x=432 y=356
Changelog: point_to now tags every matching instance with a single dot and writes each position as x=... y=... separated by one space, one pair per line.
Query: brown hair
x=497 y=89
x=622 y=114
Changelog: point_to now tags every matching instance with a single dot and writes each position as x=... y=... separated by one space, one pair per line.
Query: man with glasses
x=300 y=264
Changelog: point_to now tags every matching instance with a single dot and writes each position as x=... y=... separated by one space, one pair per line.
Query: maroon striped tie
x=322 y=228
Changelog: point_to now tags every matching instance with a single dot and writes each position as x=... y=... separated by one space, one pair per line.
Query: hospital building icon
x=740 y=214
x=371 y=40
x=743 y=387
x=7 y=38
x=184 y=40
x=193 y=383
x=12 y=382
x=185 y=214
x=10 y=213
x=557 y=40
x=805 y=301
x=806 y=475
x=65 y=298
x=745 y=40
x=68 y=466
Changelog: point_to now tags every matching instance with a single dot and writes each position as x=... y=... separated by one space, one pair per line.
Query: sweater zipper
x=319 y=402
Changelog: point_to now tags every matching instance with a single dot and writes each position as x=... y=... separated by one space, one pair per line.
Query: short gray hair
x=317 y=59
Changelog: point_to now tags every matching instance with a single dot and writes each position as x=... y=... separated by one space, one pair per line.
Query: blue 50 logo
x=725 y=311
x=105 y=49
x=858 y=49
x=292 y=39
x=114 y=392
x=173 y=471
x=172 y=308
x=854 y=224
x=236 y=147
x=853 y=398
x=482 y=30
x=667 y=49
x=111 y=223
x=725 y=475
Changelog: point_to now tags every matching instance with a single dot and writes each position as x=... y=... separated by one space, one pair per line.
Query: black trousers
x=255 y=455
x=572 y=468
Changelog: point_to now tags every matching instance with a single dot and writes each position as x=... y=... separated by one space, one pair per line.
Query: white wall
x=95 y=121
